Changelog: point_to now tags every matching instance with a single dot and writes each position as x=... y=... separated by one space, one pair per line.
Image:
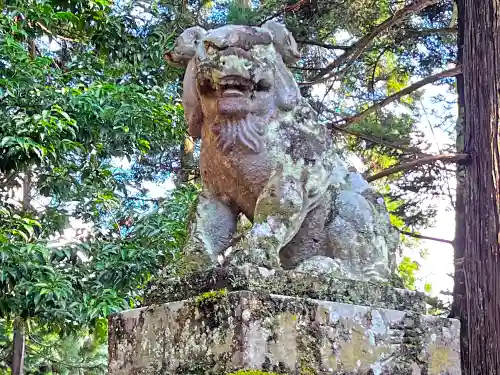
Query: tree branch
x=380 y=141
x=427 y=32
x=445 y=158
x=287 y=8
x=408 y=34
x=36 y=353
x=374 y=71
x=55 y=35
x=324 y=45
x=154 y=200
x=305 y=69
x=358 y=47
x=422 y=237
x=398 y=95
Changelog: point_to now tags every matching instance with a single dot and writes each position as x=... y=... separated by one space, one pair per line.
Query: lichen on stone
x=290 y=283
x=210 y=297
x=280 y=335
x=253 y=372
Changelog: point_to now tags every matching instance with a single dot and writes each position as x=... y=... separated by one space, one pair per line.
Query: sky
x=439 y=261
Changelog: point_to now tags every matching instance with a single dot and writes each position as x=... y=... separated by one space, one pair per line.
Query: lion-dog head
x=236 y=74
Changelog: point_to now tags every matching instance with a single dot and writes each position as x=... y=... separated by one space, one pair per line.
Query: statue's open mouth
x=236 y=86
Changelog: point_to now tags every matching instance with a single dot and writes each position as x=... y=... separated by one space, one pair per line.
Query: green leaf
x=428 y=288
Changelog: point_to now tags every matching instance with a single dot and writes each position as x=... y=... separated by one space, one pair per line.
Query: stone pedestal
x=229 y=321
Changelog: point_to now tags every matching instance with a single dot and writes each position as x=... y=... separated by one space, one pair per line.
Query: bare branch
x=371 y=86
x=422 y=237
x=398 y=95
x=380 y=141
x=357 y=48
x=427 y=32
x=305 y=69
x=445 y=158
x=324 y=45
x=55 y=35
x=287 y=8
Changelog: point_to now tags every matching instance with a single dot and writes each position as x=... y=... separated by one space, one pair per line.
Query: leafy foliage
x=72 y=113
x=65 y=290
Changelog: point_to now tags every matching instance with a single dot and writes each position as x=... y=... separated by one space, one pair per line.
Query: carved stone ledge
x=287 y=283
x=222 y=333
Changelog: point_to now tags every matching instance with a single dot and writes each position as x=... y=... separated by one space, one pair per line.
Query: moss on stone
x=300 y=336
x=306 y=370
x=252 y=372
x=284 y=282
x=210 y=297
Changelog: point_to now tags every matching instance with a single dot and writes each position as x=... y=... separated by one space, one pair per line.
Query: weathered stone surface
x=264 y=153
x=219 y=333
x=288 y=283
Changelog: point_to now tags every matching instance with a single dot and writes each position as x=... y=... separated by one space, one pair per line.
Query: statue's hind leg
x=348 y=236
x=309 y=241
x=311 y=250
x=360 y=235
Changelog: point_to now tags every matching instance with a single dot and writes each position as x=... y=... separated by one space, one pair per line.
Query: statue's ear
x=283 y=41
x=287 y=93
x=286 y=90
x=185 y=47
x=182 y=56
x=191 y=101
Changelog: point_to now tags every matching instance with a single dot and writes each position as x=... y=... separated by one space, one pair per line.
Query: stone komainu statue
x=265 y=154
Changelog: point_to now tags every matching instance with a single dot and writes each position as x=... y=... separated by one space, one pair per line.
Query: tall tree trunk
x=245 y=3
x=19 y=341
x=481 y=71
x=188 y=167
x=459 y=306
x=19 y=346
x=26 y=188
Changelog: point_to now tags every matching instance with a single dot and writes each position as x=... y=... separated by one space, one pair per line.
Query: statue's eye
x=211 y=48
x=263 y=85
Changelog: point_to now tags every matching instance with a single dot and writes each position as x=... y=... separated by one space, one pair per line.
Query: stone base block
x=288 y=283
x=227 y=333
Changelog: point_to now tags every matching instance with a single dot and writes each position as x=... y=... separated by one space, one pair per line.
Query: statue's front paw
x=376 y=272
x=196 y=258
x=255 y=256
x=323 y=266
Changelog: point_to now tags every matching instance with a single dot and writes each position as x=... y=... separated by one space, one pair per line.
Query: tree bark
x=481 y=73
x=459 y=306
x=188 y=164
x=18 y=346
